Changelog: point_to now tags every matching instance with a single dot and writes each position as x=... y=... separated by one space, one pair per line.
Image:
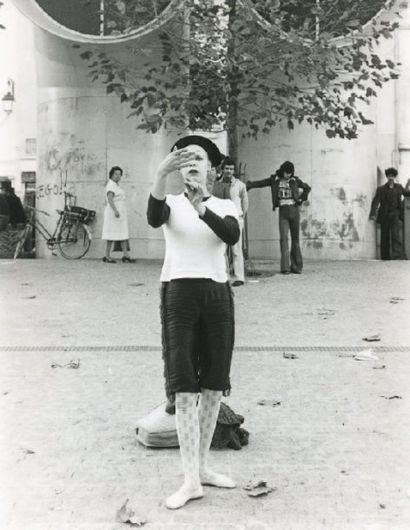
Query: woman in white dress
x=115 y=226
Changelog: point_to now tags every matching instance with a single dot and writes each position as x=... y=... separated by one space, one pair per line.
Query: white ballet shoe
x=210 y=478
x=182 y=496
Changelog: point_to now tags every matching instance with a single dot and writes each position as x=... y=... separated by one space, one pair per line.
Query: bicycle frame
x=42 y=230
x=71 y=234
x=39 y=227
x=65 y=218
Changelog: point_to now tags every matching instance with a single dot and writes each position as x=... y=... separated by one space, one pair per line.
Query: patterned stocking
x=208 y=414
x=186 y=417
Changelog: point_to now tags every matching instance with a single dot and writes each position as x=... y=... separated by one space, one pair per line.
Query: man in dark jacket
x=285 y=188
x=16 y=209
x=386 y=209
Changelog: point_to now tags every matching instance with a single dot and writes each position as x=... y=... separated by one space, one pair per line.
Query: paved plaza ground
x=336 y=450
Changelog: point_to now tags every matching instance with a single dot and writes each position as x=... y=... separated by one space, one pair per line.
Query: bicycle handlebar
x=69 y=199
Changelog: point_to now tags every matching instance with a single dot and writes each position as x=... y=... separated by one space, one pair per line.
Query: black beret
x=212 y=150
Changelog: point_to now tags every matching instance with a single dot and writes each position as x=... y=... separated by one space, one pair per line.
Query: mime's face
x=199 y=167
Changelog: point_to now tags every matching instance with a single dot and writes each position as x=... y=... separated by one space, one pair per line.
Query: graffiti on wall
x=343 y=225
x=59 y=186
x=65 y=162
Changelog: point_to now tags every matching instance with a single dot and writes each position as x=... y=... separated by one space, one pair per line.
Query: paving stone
x=334 y=449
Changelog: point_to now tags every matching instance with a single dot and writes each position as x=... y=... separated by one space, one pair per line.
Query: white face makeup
x=198 y=169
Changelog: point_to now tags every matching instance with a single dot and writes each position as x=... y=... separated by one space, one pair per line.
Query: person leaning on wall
x=387 y=210
x=286 y=195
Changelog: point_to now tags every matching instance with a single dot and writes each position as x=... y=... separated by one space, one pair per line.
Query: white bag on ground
x=157 y=429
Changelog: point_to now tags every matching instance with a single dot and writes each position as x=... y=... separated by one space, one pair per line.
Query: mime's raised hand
x=195 y=192
x=175 y=161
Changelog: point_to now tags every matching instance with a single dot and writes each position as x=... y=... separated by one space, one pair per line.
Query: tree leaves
x=231 y=70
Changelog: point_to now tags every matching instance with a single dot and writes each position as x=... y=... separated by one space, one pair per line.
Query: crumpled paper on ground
x=269 y=402
x=366 y=355
x=372 y=338
x=287 y=355
x=129 y=514
x=72 y=364
x=258 y=488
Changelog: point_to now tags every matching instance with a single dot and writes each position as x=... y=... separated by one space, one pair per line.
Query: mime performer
x=197 y=310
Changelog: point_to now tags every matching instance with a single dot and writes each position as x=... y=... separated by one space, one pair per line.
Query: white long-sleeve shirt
x=192 y=247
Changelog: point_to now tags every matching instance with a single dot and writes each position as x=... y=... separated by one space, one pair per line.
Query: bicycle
x=71 y=234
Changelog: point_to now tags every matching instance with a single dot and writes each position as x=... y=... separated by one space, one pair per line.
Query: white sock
x=209 y=404
x=186 y=418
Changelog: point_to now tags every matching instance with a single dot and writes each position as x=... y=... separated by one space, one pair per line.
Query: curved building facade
x=82 y=132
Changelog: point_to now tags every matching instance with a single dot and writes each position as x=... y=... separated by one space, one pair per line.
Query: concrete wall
x=402 y=98
x=83 y=132
x=343 y=174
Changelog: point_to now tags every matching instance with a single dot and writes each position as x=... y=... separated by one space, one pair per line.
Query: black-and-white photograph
x=204 y=264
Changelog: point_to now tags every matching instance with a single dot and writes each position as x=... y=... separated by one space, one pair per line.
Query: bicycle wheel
x=21 y=241
x=74 y=240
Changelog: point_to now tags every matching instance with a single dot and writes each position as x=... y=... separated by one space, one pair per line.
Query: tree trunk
x=232 y=112
x=232 y=133
x=186 y=35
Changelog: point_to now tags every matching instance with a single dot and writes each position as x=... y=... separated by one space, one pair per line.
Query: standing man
x=230 y=187
x=386 y=210
x=16 y=209
x=4 y=210
x=285 y=189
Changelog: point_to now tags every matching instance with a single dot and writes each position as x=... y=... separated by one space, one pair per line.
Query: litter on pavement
x=72 y=364
x=366 y=355
x=372 y=338
x=287 y=355
x=270 y=402
x=259 y=488
x=396 y=300
x=129 y=514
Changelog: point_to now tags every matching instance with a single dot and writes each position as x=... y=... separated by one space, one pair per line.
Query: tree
x=249 y=65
